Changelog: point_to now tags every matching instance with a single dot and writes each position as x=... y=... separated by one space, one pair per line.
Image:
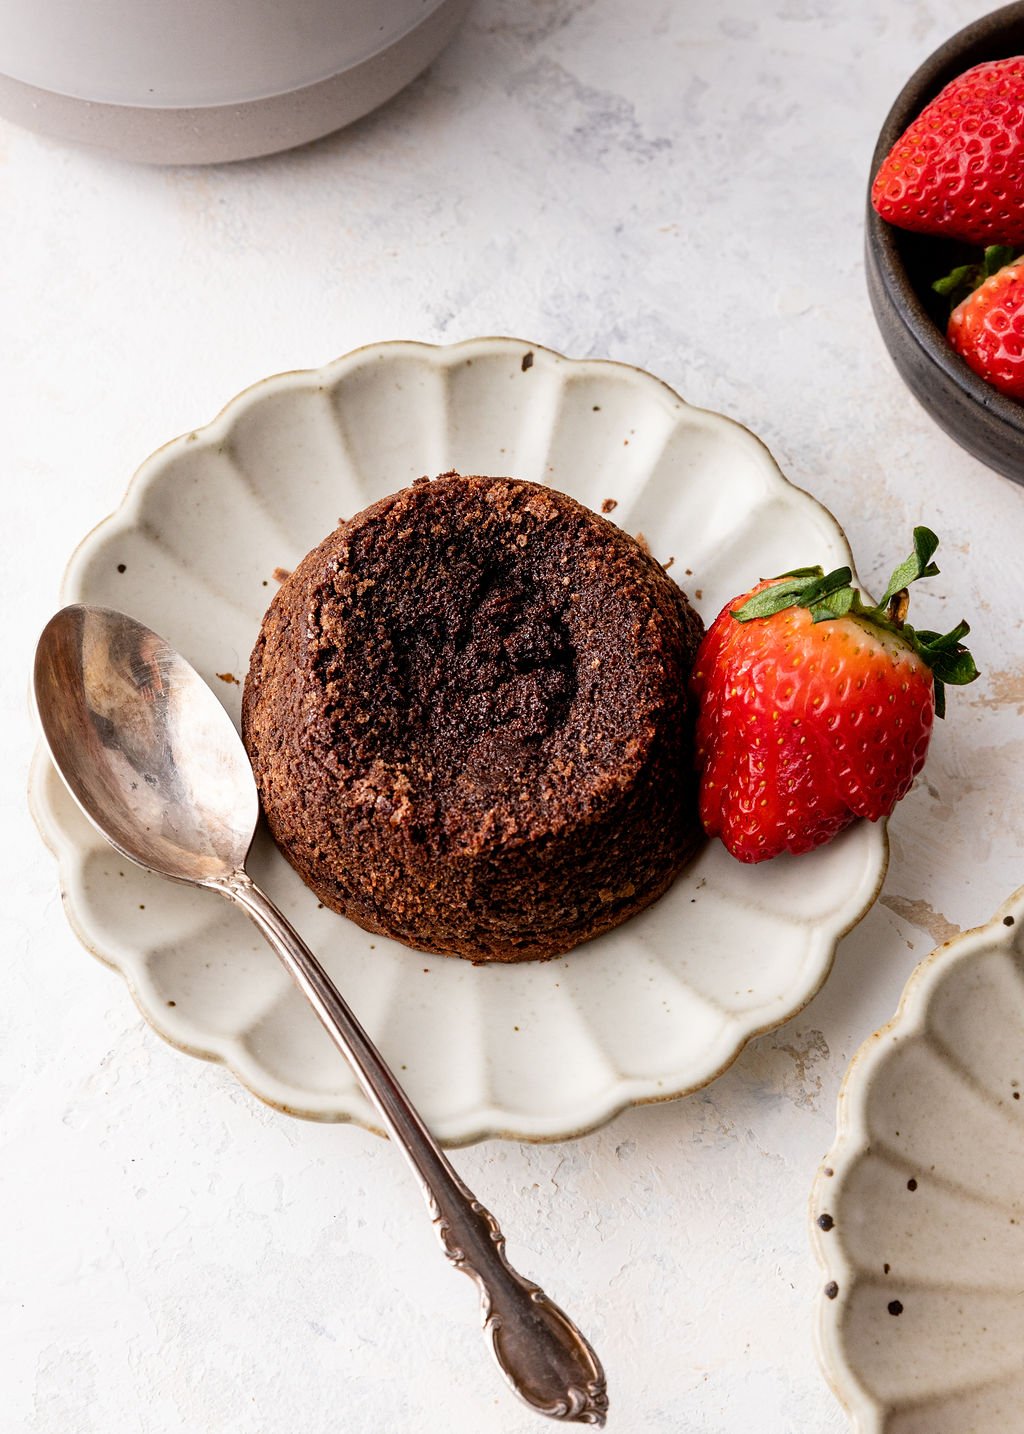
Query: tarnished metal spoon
x=153 y=759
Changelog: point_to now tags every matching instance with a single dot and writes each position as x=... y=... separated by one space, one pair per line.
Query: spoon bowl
x=146 y=749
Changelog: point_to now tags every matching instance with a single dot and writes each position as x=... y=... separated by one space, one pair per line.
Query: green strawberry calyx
x=962 y=281
x=830 y=595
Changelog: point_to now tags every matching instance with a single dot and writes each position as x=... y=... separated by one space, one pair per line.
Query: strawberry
x=958 y=169
x=816 y=707
x=987 y=327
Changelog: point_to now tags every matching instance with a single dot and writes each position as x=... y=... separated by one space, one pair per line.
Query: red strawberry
x=987 y=327
x=958 y=169
x=816 y=707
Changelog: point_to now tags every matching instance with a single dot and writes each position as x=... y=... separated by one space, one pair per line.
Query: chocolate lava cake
x=467 y=715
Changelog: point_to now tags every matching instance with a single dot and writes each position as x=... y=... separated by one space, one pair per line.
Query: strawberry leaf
x=823 y=587
x=917 y=565
x=946 y=655
x=937 y=641
x=958 y=283
x=962 y=281
x=997 y=256
x=782 y=594
x=824 y=594
x=833 y=604
x=955 y=668
x=948 y=659
x=765 y=604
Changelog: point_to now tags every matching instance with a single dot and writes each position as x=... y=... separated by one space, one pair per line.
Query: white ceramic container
x=919 y=1208
x=200 y=81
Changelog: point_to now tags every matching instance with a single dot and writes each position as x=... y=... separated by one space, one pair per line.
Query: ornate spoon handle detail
x=539 y=1350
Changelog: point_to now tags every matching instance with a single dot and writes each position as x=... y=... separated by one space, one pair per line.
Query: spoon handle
x=540 y=1351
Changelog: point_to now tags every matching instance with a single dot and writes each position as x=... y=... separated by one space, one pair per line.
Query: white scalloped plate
x=538 y=1051
x=919 y=1208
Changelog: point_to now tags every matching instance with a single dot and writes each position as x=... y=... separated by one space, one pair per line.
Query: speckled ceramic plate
x=919 y=1209
x=539 y=1051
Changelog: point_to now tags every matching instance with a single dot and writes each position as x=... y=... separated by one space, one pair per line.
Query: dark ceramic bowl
x=901 y=268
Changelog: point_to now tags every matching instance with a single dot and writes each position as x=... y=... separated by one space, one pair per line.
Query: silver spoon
x=153 y=760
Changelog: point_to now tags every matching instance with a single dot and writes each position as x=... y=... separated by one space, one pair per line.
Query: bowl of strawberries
x=945 y=237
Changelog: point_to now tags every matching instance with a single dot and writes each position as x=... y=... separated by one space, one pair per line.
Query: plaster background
x=673 y=185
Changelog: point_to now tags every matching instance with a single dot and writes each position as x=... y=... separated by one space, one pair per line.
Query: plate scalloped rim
x=488 y=1118
x=853 y=1142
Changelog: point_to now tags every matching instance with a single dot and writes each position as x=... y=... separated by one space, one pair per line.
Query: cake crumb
x=609 y=505
x=281 y=575
x=228 y=677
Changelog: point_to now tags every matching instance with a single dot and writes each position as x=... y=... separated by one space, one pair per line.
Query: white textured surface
x=682 y=190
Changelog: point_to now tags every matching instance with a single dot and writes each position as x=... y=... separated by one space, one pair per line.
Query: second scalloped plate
x=919 y=1208
x=654 y=1009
